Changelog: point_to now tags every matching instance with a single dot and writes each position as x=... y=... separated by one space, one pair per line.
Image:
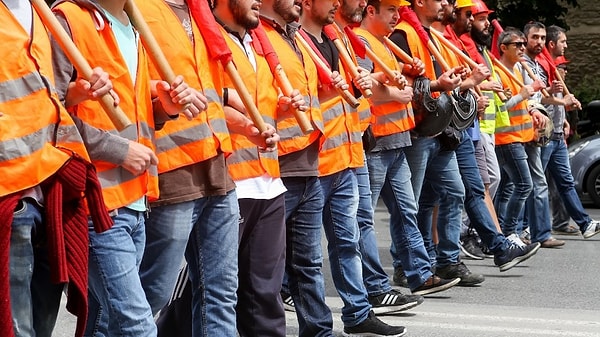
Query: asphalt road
x=555 y=293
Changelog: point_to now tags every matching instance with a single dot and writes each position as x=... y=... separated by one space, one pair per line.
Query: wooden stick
x=346 y=95
x=401 y=54
x=116 y=115
x=287 y=89
x=386 y=70
x=533 y=77
x=347 y=60
x=167 y=74
x=508 y=72
x=562 y=81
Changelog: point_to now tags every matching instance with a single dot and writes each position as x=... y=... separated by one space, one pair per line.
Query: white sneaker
x=515 y=239
x=592 y=229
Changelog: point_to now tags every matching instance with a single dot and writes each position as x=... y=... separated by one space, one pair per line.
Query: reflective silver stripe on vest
x=292 y=132
x=212 y=96
x=68 y=134
x=26 y=145
x=248 y=154
x=331 y=113
x=356 y=137
x=218 y=125
x=390 y=117
x=515 y=128
x=269 y=120
x=364 y=114
x=337 y=141
x=118 y=175
x=490 y=112
x=22 y=87
x=182 y=137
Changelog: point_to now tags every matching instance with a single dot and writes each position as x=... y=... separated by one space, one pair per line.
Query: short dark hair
x=507 y=35
x=553 y=33
x=532 y=24
x=375 y=3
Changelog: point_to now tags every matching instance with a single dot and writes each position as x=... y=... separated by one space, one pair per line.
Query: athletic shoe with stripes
x=288 y=302
x=393 y=301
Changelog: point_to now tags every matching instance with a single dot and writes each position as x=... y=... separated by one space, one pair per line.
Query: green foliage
x=517 y=13
x=586 y=90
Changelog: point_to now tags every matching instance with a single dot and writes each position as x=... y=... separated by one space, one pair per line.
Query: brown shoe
x=552 y=243
x=435 y=284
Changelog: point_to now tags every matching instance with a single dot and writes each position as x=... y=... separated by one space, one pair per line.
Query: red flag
x=547 y=62
x=408 y=15
x=497 y=30
x=357 y=44
x=215 y=43
x=330 y=32
x=471 y=48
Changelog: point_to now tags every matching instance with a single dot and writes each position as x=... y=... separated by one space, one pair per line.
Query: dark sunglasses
x=517 y=44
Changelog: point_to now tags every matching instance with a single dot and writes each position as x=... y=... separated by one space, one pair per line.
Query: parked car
x=584 y=155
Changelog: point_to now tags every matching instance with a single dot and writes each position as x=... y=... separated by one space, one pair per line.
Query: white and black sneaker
x=288 y=302
x=372 y=326
x=393 y=301
x=514 y=255
x=592 y=229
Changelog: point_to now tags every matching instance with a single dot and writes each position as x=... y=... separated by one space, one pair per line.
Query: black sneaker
x=487 y=252
x=399 y=279
x=372 y=326
x=470 y=247
x=467 y=278
x=288 y=302
x=514 y=255
x=435 y=284
x=393 y=301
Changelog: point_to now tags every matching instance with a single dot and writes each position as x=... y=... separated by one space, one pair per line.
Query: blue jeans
x=538 y=203
x=340 y=191
x=118 y=305
x=436 y=179
x=212 y=257
x=389 y=176
x=475 y=206
x=515 y=185
x=34 y=299
x=168 y=229
x=555 y=159
x=374 y=277
x=304 y=258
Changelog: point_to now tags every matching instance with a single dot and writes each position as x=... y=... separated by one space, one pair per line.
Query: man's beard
x=286 y=14
x=480 y=38
x=241 y=17
x=349 y=14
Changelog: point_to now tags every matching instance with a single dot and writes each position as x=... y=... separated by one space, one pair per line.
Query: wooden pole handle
x=346 y=95
x=533 y=77
x=349 y=64
x=149 y=41
x=508 y=72
x=386 y=70
x=116 y=115
x=562 y=81
x=287 y=89
x=245 y=96
x=401 y=54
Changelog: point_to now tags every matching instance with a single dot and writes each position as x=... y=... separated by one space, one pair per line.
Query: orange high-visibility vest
x=34 y=126
x=391 y=117
x=418 y=49
x=341 y=144
x=520 y=129
x=100 y=48
x=303 y=76
x=182 y=142
x=246 y=161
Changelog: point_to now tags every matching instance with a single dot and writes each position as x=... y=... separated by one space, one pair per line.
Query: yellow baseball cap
x=398 y=3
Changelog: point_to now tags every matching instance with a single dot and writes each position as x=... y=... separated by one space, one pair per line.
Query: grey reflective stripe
x=332 y=113
x=248 y=154
x=218 y=125
x=68 y=134
x=289 y=133
x=333 y=142
x=21 y=87
x=182 y=137
x=268 y=120
x=26 y=145
x=489 y=116
x=517 y=113
x=514 y=128
x=118 y=175
x=314 y=103
x=212 y=96
x=391 y=117
x=356 y=137
x=146 y=131
x=364 y=114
